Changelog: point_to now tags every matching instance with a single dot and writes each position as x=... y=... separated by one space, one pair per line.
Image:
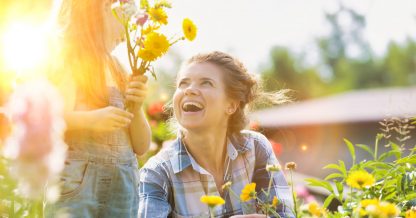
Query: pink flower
x=141 y=19
x=36 y=143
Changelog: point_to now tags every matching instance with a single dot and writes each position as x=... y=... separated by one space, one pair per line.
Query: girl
x=212 y=93
x=100 y=175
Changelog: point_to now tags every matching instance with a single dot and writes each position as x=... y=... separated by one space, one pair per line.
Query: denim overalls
x=100 y=178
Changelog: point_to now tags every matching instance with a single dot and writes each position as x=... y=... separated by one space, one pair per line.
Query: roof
x=356 y=106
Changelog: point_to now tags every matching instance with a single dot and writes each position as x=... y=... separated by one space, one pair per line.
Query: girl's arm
x=140 y=133
x=103 y=119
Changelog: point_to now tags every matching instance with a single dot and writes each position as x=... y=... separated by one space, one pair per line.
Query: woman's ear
x=232 y=107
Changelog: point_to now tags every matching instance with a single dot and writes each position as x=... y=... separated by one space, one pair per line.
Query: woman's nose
x=191 y=90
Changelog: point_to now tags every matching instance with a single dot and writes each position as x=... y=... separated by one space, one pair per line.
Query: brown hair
x=240 y=85
x=84 y=50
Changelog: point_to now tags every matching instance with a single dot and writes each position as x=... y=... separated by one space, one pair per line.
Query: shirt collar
x=181 y=159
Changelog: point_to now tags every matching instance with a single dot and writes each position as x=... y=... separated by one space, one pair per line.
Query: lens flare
x=25 y=47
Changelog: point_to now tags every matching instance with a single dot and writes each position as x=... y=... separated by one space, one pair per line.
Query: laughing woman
x=212 y=93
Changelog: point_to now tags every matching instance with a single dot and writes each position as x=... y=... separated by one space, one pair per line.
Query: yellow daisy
x=248 y=192
x=189 y=29
x=315 y=210
x=212 y=200
x=411 y=213
x=158 y=15
x=156 y=42
x=360 y=179
x=147 y=55
x=389 y=210
x=275 y=202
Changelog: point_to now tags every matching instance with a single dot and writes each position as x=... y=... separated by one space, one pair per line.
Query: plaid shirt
x=171 y=183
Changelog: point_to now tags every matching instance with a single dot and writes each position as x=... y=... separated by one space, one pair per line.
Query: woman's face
x=113 y=29
x=200 y=101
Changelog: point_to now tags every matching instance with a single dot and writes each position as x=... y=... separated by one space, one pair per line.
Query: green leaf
x=409 y=159
x=328 y=200
x=333 y=176
x=389 y=154
x=318 y=183
x=366 y=148
x=351 y=149
x=397 y=148
x=340 y=189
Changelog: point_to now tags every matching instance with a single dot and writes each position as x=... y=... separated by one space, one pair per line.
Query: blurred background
x=350 y=64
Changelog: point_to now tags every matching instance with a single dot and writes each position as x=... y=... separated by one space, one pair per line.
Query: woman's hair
x=240 y=85
x=84 y=52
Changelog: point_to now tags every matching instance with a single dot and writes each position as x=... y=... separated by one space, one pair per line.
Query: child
x=100 y=176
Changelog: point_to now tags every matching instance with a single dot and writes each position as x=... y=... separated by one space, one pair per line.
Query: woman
x=212 y=93
x=100 y=175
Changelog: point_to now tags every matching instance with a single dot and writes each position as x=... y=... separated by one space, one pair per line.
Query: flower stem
x=293 y=194
x=211 y=213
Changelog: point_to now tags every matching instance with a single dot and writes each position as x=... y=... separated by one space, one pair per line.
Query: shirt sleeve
x=279 y=187
x=153 y=193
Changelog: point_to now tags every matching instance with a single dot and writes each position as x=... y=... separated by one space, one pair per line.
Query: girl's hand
x=137 y=91
x=109 y=118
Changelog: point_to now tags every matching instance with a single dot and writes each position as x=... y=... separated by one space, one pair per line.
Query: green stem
x=293 y=194
x=211 y=213
x=376 y=149
x=177 y=40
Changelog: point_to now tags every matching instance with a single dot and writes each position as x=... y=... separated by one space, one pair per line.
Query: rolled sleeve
x=153 y=193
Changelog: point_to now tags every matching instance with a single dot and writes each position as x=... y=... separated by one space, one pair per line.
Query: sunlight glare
x=25 y=47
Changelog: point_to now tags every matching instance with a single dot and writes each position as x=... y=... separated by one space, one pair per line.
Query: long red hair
x=84 y=49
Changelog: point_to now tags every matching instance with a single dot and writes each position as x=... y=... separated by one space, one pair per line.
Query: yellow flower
x=149 y=29
x=189 y=29
x=147 y=55
x=389 y=210
x=275 y=202
x=155 y=45
x=411 y=213
x=156 y=42
x=158 y=15
x=212 y=200
x=315 y=210
x=366 y=202
x=248 y=192
x=360 y=179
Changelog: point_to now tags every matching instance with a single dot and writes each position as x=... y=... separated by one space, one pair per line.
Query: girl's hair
x=84 y=52
x=240 y=85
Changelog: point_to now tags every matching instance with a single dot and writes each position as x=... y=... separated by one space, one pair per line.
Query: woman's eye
x=207 y=83
x=181 y=84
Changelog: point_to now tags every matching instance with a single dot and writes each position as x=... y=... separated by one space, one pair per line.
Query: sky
x=248 y=29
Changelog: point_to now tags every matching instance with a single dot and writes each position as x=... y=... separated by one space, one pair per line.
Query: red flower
x=155 y=109
x=277 y=147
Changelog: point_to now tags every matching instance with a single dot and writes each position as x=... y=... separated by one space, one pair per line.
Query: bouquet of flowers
x=142 y=27
x=145 y=42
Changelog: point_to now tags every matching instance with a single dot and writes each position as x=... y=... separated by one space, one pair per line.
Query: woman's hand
x=108 y=119
x=137 y=91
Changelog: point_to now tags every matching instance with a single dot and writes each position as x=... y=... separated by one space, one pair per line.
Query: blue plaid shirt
x=172 y=182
